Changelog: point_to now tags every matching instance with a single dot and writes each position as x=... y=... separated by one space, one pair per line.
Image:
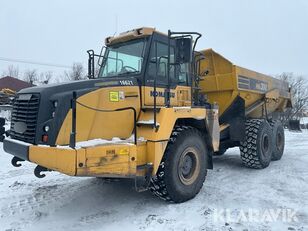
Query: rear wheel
x=183 y=168
x=256 y=150
x=278 y=138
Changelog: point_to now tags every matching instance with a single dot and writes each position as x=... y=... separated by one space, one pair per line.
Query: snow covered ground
x=59 y=202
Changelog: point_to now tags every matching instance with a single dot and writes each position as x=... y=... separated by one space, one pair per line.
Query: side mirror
x=183 y=51
x=91 y=64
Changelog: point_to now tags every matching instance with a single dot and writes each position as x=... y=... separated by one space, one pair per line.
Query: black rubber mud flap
x=294 y=125
x=142 y=183
x=235 y=117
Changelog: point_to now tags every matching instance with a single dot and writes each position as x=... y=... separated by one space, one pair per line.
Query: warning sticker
x=114 y=96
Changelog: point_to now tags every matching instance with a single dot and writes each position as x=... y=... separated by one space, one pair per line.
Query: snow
x=146 y=121
x=97 y=142
x=304 y=120
x=5 y=114
x=59 y=202
x=89 y=143
x=114 y=140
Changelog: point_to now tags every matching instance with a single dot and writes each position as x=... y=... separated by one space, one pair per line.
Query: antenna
x=116 y=25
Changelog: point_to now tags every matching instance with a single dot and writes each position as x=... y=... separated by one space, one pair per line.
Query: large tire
x=278 y=139
x=256 y=150
x=182 y=171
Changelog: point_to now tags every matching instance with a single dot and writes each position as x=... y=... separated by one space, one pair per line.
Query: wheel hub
x=189 y=166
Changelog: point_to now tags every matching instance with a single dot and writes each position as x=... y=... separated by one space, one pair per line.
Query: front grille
x=25 y=110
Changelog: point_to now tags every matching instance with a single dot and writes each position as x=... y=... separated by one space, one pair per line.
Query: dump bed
x=224 y=82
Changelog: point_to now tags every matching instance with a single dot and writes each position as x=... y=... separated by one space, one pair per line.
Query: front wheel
x=183 y=168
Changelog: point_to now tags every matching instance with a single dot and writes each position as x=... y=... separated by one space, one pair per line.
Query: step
x=147 y=123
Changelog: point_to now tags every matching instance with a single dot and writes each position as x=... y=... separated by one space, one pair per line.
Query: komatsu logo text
x=161 y=94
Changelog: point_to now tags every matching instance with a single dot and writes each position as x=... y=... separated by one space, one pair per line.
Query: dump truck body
x=241 y=94
x=225 y=81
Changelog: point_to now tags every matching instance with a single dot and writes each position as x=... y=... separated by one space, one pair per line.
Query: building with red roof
x=13 y=83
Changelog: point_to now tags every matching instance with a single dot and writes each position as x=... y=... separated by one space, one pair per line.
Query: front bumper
x=16 y=148
x=112 y=160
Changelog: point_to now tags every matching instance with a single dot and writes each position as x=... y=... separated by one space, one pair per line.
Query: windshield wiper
x=128 y=72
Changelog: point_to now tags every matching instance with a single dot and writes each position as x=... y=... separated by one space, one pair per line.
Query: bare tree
x=299 y=91
x=76 y=73
x=12 y=71
x=60 y=78
x=45 y=77
x=31 y=76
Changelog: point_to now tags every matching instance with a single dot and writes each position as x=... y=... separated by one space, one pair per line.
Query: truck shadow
x=105 y=197
x=94 y=194
x=89 y=193
x=228 y=160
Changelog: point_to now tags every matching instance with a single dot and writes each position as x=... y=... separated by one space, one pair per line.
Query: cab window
x=183 y=77
x=158 y=62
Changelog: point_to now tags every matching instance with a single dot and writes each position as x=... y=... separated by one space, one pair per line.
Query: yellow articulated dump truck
x=157 y=112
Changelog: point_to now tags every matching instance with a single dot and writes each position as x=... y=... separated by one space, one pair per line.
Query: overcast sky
x=269 y=36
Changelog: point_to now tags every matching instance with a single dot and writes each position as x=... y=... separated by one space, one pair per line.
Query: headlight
x=46 y=128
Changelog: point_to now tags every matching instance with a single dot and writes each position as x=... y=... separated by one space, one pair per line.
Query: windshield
x=123 y=58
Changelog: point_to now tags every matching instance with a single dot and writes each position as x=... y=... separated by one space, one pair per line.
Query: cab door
x=157 y=67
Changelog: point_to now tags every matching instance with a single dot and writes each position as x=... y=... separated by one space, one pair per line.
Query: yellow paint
x=180 y=96
x=119 y=160
x=166 y=118
x=221 y=85
x=106 y=125
x=92 y=161
x=59 y=159
x=155 y=152
x=114 y=160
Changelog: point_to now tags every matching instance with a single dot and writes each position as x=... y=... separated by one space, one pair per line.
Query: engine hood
x=62 y=93
x=81 y=85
